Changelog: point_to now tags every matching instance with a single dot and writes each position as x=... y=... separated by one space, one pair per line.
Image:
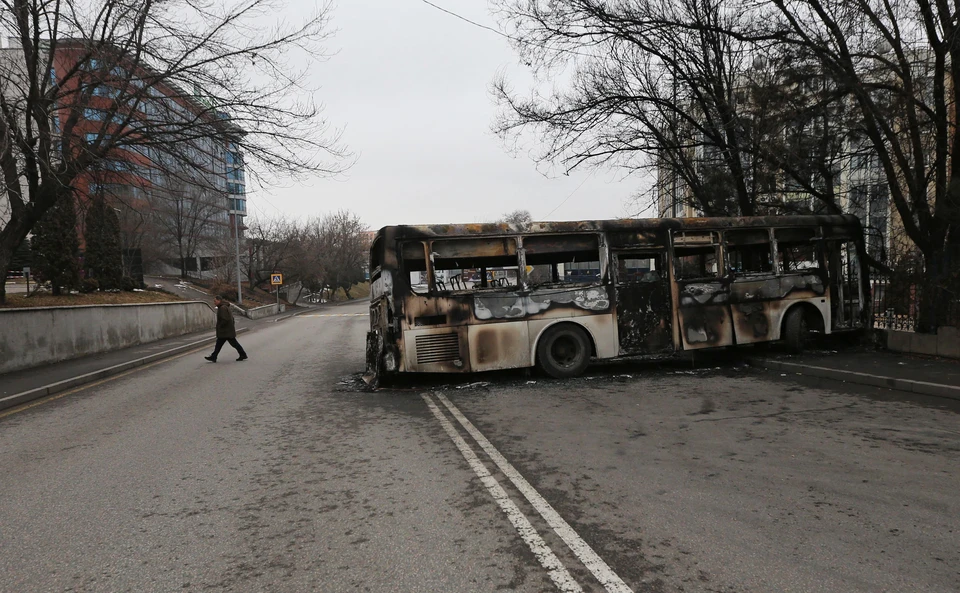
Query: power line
x=571 y=194
x=474 y=23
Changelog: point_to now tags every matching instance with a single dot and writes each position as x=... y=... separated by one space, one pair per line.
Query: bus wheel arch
x=799 y=323
x=563 y=350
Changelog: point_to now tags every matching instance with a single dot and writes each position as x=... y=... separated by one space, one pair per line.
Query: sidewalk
x=918 y=374
x=23 y=386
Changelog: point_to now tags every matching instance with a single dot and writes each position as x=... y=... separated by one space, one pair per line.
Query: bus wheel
x=796 y=332
x=564 y=351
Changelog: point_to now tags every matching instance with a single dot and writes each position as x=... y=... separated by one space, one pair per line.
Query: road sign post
x=26 y=274
x=276 y=279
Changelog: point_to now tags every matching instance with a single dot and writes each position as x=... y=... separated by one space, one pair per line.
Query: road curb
x=23 y=397
x=278 y=319
x=922 y=387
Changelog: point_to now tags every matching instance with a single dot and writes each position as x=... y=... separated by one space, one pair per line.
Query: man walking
x=226 y=330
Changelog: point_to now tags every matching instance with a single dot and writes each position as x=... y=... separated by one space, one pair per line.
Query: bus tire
x=564 y=351
x=796 y=330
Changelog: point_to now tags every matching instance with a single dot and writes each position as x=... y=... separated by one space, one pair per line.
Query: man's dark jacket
x=225 y=325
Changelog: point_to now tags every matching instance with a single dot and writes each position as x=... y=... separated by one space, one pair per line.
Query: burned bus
x=479 y=297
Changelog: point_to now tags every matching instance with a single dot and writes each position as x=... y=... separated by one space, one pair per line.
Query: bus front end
x=381 y=352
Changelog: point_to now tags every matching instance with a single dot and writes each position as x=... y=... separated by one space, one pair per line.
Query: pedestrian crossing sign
x=276 y=279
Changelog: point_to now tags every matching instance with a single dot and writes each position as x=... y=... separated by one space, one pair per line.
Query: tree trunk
x=6 y=256
x=183 y=261
x=11 y=237
x=933 y=293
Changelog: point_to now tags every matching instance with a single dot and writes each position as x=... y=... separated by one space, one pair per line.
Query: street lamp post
x=236 y=220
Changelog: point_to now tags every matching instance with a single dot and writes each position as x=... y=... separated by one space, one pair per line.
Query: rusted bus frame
x=401 y=232
x=610 y=237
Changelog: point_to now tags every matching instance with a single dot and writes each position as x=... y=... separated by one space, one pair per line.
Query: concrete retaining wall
x=946 y=342
x=265 y=311
x=36 y=336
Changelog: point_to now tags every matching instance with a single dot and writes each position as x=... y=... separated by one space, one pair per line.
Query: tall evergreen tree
x=102 y=258
x=56 y=249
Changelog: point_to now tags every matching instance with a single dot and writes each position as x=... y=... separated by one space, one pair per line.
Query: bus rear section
x=480 y=303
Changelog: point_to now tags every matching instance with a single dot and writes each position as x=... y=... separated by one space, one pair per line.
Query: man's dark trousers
x=233 y=342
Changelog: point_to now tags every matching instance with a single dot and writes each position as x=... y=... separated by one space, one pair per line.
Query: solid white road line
x=609 y=579
x=558 y=573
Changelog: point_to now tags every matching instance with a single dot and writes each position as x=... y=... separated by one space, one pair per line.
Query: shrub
x=88 y=285
x=128 y=284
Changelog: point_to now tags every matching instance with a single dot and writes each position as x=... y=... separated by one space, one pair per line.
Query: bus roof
x=579 y=226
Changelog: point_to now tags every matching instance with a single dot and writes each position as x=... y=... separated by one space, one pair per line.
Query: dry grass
x=16 y=301
x=357 y=291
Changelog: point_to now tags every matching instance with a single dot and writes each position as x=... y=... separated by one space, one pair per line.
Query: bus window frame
x=716 y=243
x=406 y=269
x=485 y=284
x=602 y=253
x=749 y=274
x=816 y=241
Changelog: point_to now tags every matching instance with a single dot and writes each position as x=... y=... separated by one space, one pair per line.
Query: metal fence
x=898 y=297
x=896 y=302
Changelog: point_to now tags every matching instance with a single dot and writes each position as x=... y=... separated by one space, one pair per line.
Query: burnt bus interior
x=619 y=287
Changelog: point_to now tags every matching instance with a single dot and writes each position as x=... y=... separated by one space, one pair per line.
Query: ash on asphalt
x=726 y=363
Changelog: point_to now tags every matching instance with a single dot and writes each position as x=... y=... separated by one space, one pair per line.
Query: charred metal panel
x=497 y=346
x=778 y=310
x=637 y=238
x=644 y=318
x=601 y=328
x=759 y=304
x=629 y=225
x=472 y=248
x=514 y=305
x=752 y=304
x=441 y=350
x=382 y=287
x=430 y=320
x=694 y=294
x=492 y=306
x=534 y=244
x=425 y=310
x=706 y=327
x=704 y=313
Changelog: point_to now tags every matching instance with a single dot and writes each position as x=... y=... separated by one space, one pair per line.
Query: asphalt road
x=281 y=474
x=17 y=287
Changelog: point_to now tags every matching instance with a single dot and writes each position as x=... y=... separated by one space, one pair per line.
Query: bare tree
x=651 y=84
x=733 y=122
x=898 y=61
x=337 y=252
x=520 y=218
x=187 y=221
x=274 y=245
x=161 y=84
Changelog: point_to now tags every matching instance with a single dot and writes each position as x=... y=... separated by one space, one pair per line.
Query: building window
x=106 y=91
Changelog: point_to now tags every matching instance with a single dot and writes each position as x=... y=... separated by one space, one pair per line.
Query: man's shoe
x=242 y=358
x=210 y=358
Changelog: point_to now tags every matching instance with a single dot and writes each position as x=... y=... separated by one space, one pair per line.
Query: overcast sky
x=411 y=87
